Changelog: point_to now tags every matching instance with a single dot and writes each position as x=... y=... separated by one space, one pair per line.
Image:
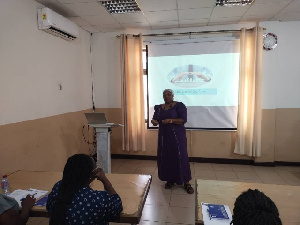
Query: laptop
x=96 y=118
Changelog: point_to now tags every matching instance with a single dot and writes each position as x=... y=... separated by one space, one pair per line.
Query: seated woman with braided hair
x=72 y=201
x=253 y=207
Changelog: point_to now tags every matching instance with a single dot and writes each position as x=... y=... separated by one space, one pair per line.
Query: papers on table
x=209 y=220
x=19 y=194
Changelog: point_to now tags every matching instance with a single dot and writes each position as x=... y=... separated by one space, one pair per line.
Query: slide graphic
x=190 y=76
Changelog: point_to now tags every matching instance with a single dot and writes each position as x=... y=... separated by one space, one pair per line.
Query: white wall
x=281 y=67
x=33 y=63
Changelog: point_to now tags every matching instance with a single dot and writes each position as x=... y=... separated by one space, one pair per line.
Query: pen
x=30 y=195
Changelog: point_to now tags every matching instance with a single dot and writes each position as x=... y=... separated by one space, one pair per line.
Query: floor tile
x=183 y=201
x=263 y=169
x=155 y=213
x=222 y=167
x=148 y=163
x=289 y=178
x=225 y=174
x=118 y=161
x=242 y=168
x=181 y=215
x=246 y=175
x=205 y=174
x=145 y=170
x=271 y=178
x=158 y=199
x=179 y=190
x=287 y=168
x=205 y=166
x=159 y=187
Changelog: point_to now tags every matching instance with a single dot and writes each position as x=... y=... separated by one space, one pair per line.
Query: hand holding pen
x=28 y=202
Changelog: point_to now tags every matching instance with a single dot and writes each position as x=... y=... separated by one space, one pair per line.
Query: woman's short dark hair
x=253 y=207
x=76 y=175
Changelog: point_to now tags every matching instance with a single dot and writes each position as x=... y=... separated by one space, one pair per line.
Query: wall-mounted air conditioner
x=56 y=24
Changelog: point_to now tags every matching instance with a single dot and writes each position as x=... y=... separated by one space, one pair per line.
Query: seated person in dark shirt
x=72 y=201
x=253 y=207
x=9 y=210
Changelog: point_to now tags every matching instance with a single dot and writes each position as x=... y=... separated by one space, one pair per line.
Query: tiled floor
x=175 y=206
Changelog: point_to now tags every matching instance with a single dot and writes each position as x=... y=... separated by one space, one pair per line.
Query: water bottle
x=5 y=185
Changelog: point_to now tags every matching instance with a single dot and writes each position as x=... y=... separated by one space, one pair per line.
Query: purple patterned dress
x=172 y=158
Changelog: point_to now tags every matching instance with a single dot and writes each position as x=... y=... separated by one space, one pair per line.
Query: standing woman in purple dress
x=172 y=158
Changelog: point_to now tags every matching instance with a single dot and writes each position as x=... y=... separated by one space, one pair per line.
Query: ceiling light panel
x=233 y=2
x=121 y=6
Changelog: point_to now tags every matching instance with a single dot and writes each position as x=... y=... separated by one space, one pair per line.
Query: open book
x=20 y=194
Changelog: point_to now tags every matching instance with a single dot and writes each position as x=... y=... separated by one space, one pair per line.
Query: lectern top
x=96 y=118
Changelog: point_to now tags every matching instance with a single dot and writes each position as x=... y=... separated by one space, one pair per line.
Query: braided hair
x=76 y=175
x=255 y=208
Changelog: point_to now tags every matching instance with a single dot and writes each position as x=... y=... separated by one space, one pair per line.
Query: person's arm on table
x=12 y=217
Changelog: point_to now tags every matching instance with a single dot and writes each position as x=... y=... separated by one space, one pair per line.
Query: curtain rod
x=191 y=33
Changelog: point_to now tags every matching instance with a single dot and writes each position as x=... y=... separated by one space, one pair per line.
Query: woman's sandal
x=168 y=185
x=189 y=189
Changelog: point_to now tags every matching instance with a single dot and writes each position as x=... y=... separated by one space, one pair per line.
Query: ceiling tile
x=164 y=27
x=86 y=9
x=157 y=5
x=79 y=21
x=256 y=18
x=75 y=1
x=194 y=4
x=193 y=22
x=221 y=23
x=57 y=7
x=108 y=28
x=100 y=19
x=161 y=16
x=136 y=25
x=193 y=14
x=193 y=25
x=165 y=23
x=223 y=11
x=293 y=7
x=91 y=29
x=224 y=20
x=287 y=17
x=261 y=9
x=130 y=17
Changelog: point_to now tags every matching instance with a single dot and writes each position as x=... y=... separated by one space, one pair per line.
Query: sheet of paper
x=20 y=194
x=208 y=221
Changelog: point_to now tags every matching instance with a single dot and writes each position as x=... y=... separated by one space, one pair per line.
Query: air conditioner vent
x=56 y=24
x=61 y=33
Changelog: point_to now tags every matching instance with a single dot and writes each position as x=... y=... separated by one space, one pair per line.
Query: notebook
x=42 y=201
x=96 y=118
x=217 y=211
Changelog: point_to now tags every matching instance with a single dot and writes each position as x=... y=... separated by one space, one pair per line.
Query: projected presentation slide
x=204 y=76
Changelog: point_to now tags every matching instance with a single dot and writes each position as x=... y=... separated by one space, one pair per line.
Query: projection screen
x=204 y=76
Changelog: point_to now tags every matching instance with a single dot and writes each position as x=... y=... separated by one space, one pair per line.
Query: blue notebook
x=217 y=211
x=42 y=201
